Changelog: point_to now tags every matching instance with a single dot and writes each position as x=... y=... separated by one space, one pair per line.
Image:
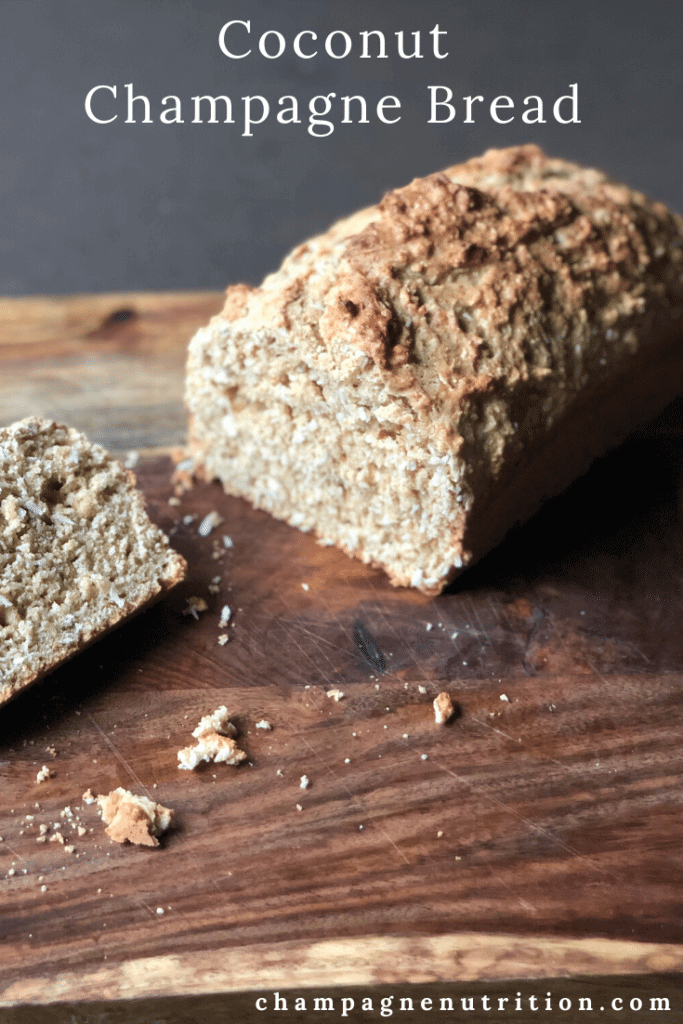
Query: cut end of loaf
x=78 y=553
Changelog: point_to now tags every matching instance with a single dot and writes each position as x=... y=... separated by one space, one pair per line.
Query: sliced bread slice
x=78 y=553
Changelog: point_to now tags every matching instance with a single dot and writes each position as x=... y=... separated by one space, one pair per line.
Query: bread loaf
x=420 y=378
x=78 y=554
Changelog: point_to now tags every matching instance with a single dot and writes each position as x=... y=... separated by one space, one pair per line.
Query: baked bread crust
x=78 y=553
x=420 y=378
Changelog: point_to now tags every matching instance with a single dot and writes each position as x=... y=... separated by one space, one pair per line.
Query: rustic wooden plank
x=111 y=365
x=541 y=833
x=560 y=808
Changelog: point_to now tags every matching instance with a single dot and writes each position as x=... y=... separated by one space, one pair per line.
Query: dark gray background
x=89 y=207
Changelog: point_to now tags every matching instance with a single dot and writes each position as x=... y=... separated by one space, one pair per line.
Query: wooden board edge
x=364 y=961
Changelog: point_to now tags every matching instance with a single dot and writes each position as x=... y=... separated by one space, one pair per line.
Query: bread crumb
x=215 y=742
x=81 y=830
x=174 y=501
x=223 y=639
x=227 y=542
x=88 y=797
x=422 y=689
x=69 y=849
x=299 y=807
x=304 y=586
x=211 y=747
x=504 y=696
x=183 y=472
x=226 y=615
x=44 y=774
x=443 y=708
x=263 y=724
x=217 y=721
x=335 y=694
x=209 y=524
x=195 y=605
x=135 y=819
x=57 y=837
x=305 y=782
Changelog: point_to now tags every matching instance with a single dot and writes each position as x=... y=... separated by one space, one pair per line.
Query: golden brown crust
x=538 y=223
x=236 y=297
x=502 y=257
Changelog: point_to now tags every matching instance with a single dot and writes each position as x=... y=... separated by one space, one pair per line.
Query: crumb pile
x=415 y=381
x=78 y=554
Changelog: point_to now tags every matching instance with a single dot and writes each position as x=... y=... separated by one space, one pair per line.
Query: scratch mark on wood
x=118 y=755
x=523 y=903
x=319 y=639
x=495 y=608
x=310 y=659
x=351 y=795
x=546 y=757
x=520 y=817
x=481 y=628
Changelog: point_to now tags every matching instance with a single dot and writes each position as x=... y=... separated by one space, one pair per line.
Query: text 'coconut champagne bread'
x=420 y=378
x=78 y=553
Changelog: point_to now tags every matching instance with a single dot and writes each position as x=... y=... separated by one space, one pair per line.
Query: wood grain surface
x=539 y=834
x=111 y=365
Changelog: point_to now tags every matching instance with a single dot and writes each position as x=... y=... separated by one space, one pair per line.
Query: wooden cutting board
x=537 y=835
